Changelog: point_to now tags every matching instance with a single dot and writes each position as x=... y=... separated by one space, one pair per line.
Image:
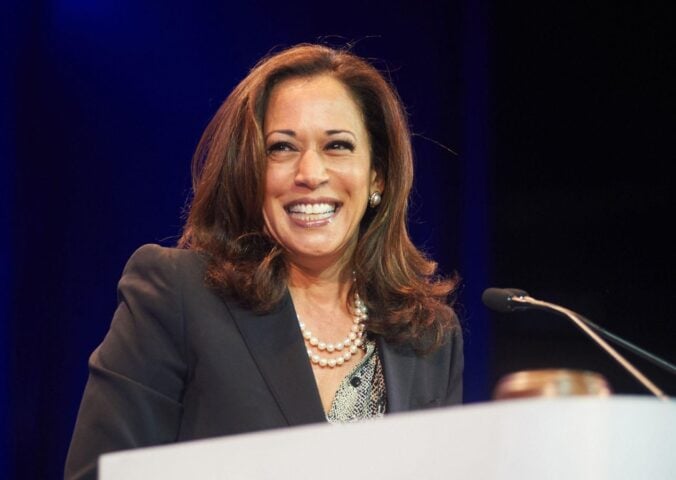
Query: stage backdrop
x=558 y=114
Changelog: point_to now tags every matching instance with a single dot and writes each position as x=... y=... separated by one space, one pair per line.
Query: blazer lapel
x=399 y=369
x=277 y=347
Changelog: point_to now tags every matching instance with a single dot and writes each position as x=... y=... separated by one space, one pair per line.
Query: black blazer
x=179 y=363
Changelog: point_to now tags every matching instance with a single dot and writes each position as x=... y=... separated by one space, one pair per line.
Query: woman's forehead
x=320 y=102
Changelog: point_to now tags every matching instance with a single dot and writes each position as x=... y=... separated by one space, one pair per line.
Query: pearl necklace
x=351 y=344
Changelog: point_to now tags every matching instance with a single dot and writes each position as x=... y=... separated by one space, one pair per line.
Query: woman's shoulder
x=164 y=270
x=155 y=259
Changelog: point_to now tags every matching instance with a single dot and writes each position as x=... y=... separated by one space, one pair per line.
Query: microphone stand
x=580 y=322
x=654 y=359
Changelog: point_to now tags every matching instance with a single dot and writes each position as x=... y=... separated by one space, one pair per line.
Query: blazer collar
x=399 y=368
x=276 y=345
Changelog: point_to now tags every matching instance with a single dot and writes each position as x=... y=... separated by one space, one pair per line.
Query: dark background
x=561 y=114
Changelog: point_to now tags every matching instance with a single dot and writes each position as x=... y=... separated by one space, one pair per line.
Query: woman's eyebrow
x=290 y=133
x=333 y=132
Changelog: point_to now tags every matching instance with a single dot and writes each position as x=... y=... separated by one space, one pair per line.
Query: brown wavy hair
x=408 y=300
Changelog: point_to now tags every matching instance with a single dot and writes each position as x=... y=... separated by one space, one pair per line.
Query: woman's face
x=319 y=173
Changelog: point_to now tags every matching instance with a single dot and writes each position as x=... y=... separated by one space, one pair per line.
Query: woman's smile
x=310 y=213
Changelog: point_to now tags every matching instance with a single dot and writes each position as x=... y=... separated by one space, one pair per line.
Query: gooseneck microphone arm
x=508 y=300
x=654 y=359
x=501 y=300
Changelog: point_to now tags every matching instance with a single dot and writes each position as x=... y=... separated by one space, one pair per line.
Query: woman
x=296 y=295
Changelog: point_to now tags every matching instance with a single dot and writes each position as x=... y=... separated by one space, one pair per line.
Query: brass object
x=551 y=383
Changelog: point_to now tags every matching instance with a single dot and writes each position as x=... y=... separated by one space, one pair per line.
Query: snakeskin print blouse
x=361 y=395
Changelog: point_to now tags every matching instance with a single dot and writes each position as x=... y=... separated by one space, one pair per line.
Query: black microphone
x=501 y=299
x=507 y=300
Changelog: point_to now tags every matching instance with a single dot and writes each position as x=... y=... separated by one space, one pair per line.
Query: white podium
x=571 y=438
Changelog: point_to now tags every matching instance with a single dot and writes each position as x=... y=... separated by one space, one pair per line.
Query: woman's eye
x=341 y=145
x=280 y=147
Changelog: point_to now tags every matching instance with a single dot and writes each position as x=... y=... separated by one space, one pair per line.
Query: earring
x=374 y=199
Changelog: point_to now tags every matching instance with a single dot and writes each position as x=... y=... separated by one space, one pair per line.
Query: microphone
x=502 y=299
x=507 y=300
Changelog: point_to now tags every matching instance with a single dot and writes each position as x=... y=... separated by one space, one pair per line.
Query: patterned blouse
x=361 y=395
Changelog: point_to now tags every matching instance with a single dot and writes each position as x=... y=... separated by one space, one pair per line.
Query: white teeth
x=313 y=217
x=313 y=208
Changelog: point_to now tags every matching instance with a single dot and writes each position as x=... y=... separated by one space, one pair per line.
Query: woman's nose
x=311 y=171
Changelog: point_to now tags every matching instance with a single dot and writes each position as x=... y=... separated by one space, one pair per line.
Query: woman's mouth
x=312 y=214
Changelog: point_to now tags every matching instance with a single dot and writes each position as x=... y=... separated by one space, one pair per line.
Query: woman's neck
x=323 y=286
x=319 y=293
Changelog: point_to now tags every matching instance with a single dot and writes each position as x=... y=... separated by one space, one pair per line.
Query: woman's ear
x=377 y=182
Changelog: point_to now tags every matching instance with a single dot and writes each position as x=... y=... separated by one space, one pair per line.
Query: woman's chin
x=321 y=254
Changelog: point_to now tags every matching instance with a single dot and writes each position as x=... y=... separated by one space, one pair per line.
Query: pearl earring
x=374 y=199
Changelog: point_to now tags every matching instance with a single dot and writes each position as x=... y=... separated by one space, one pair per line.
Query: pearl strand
x=351 y=344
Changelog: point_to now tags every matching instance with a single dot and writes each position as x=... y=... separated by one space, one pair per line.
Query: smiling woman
x=295 y=295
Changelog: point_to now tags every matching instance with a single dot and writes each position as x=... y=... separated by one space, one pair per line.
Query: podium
x=565 y=438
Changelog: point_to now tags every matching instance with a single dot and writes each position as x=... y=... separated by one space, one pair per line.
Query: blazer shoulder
x=154 y=260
